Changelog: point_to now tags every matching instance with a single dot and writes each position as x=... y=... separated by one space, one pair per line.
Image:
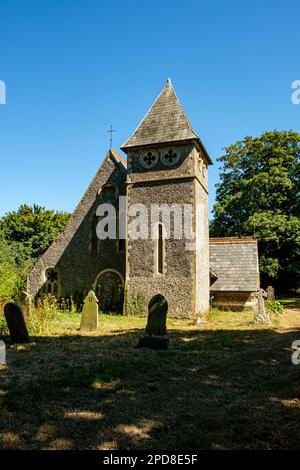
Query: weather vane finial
x=111 y=130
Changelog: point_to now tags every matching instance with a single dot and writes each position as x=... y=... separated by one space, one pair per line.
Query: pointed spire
x=165 y=122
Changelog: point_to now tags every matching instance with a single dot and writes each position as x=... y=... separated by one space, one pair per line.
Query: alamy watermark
x=2 y=353
x=296 y=94
x=2 y=92
x=138 y=221
x=296 y=353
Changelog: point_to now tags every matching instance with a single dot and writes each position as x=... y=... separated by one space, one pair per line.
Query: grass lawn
x=224 y=385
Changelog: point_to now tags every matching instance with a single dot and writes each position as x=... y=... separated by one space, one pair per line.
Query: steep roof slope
x=166 y=121
x=113 y=170
x=235 y=263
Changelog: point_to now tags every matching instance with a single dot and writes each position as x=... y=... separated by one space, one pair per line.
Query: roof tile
x=166 y=121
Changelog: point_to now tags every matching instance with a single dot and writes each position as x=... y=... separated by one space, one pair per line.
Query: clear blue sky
x=73 y=67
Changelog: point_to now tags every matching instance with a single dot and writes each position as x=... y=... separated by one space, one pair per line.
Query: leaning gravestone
x=156 y=325
x=270 y=293
x=157 y=316
x=16 y=323
x=89 y=317
x=260 y=315
x=2 y=353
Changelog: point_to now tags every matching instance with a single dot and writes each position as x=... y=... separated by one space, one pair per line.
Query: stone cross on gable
x=111 y=130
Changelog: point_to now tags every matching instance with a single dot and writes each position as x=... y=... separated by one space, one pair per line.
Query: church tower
x=167 y=170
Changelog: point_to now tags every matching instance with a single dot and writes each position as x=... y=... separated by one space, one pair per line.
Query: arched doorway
x=157 y=316
x=109 y=289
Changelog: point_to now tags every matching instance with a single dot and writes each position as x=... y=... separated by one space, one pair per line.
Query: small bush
x=3 y=325
x=39 y=318
x=136 y=305
x=211 y=314
x=273 y=307
x=47 y=310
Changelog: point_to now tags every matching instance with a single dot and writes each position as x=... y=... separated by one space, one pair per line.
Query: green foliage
x=136 y=305
x=273 y=307
x=24 y=236
x=42 y=318
x=31 y=230
x=9 y=275
x=40 y=315
x=259 y=195
x=3 y=325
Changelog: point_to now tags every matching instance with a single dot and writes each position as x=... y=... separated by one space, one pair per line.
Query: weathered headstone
x=156 y=325
x=157 y=316
x=260 y=315
x=270 y=293
x=16 y=323
x=89 y=317
x=2 y=353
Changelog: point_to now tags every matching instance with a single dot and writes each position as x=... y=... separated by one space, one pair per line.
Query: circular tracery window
x=170 y=156
x=149 y=159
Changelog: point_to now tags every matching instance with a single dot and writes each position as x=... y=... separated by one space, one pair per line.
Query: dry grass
x=224 y=385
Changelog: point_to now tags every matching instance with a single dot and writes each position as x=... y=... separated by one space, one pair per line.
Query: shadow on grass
x=210 y=390
x=291 y=303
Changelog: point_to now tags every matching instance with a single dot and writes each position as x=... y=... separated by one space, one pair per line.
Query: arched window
x=109 y=288
x=121 y=245
x=160 y=250
x=52 y=281
x=108 y=193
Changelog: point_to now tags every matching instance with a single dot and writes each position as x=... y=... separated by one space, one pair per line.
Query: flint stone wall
x=78 y=266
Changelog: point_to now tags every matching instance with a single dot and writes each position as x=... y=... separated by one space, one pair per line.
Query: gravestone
x=260 y=315
x=157 y=316
x=156 y=325
x=89 y=317
x=270 y=293
x=16 y=323
x=2 y=353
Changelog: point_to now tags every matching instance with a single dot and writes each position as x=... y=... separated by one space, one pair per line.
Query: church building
x=166 y=166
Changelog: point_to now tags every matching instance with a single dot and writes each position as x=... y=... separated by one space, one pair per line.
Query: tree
x=259 y=195
x=30 y=230
x=9 y=276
